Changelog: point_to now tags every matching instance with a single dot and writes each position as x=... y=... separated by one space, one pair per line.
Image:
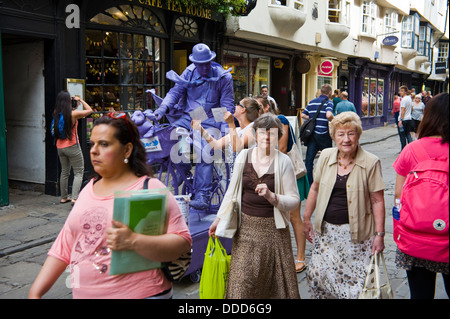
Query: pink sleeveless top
x=63 y=143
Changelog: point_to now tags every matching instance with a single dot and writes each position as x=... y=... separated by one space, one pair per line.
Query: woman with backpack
x=65 y=131
x=421 y=230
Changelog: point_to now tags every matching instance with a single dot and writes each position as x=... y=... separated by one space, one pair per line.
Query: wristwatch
x=380 y=234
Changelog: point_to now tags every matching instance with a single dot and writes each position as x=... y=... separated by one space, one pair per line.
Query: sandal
x=64 y=200
x=73 y=201
x=302 y=268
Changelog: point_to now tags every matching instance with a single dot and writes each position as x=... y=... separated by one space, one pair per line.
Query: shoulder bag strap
x=319 y=109
x=146 y=183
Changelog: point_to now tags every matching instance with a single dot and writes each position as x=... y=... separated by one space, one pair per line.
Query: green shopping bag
x=215 y=271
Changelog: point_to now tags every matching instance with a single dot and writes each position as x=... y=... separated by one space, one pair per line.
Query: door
x=23 y=66
x=4 y=190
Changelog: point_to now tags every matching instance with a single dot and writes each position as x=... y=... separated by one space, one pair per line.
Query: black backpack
x=307 y=129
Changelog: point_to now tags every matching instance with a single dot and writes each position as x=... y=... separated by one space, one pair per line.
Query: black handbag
x=307 y=129
x=174 y=270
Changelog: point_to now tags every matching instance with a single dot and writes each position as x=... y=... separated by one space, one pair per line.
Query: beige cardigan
x=285 y=187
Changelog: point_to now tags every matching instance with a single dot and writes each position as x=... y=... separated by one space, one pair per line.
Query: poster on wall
x=76 y=88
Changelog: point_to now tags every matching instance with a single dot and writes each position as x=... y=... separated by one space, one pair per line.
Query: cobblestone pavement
x=32 y=221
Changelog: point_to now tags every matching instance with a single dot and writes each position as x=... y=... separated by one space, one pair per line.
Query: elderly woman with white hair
x=348 y=197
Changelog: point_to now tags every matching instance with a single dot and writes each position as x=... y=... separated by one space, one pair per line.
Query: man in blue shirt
x=321 y=138
x=345 y=105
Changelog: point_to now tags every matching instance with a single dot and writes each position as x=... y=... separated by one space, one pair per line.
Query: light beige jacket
x=285 y=187
x=365 y=178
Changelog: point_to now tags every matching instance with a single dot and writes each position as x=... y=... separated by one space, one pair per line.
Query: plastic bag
x=216 y=267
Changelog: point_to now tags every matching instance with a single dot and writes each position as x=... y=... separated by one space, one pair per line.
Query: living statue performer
x=205 y=84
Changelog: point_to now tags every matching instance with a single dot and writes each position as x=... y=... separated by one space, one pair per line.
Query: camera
x=74 y=103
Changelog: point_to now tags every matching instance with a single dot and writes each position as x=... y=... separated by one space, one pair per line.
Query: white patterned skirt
x=338 y=267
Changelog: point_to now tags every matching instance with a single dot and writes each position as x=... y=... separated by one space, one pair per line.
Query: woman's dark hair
x=253 y=108
x=127 y=132
x=435 y=118
x=63 y=105
x=268 y=121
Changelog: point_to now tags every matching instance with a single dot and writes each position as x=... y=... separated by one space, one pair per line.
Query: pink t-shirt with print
x=406 y=161
x=84 y=234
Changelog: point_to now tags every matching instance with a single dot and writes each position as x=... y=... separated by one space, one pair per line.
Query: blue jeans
x=317 y=143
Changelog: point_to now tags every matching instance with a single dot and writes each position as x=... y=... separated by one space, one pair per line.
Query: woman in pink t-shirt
x=89 y=234
x=434 y=137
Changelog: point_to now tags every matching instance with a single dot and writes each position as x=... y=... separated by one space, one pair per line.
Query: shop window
x=120 y=67
x=410 y=31
x=372 y=97
x=259 y=73
x=321 y=80
x=250 y=71
x=239 y=62
x=369 y=14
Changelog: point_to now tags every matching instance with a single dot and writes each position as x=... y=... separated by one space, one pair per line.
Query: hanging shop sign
x=325 y=68
x=278 y=64
x=440 y=68
x=390 y=40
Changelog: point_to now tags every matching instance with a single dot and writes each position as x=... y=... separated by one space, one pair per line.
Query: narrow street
x=29 y=224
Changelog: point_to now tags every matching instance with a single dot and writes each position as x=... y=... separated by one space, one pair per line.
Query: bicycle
x=160 y=144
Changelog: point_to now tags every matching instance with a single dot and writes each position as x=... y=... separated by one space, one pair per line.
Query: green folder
x=144 y=211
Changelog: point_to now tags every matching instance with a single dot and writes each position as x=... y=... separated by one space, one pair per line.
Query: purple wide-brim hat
x=201 y=54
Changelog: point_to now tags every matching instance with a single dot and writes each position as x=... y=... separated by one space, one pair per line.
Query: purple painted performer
x=203 y=84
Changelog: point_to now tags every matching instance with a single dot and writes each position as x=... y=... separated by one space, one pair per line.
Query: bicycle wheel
x=164 y=171
x=221 y=180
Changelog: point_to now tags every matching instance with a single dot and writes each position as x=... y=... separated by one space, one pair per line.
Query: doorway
x=24 y=98
x=181 y=52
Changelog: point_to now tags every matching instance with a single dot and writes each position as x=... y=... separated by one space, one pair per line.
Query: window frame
x=294 y=4
x=369 y=10
x=130 y=90
x=425 y=40
x=412 y=32
x=443 y=51
x=390 y=21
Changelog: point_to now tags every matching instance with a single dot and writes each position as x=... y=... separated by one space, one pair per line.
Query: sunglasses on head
x=123 y=116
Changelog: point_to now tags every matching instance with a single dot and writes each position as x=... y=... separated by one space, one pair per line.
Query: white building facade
x=366 y=47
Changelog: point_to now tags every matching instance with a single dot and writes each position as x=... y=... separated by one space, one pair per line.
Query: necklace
x=342 y=165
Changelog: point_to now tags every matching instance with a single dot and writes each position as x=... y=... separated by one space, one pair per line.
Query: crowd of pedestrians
x=343 y=189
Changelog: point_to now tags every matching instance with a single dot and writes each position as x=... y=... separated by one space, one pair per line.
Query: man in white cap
x=205 y=84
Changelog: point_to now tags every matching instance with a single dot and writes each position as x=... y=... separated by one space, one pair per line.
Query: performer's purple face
x=203 y=68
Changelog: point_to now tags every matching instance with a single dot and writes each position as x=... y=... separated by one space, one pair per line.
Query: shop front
x=117 y=51
x=255 y=65
x=371 y=90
